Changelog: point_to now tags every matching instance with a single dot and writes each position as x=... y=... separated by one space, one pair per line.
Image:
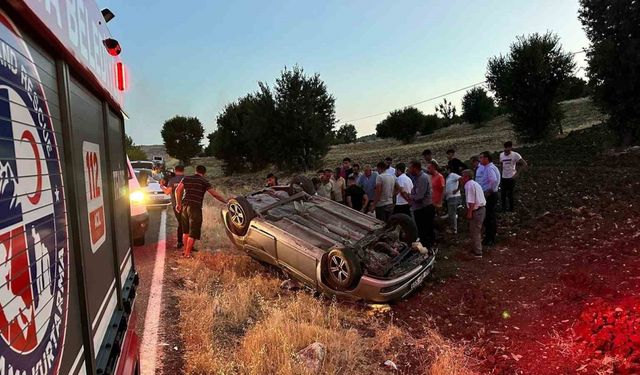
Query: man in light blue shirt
x=367 y=181
x=488 y=176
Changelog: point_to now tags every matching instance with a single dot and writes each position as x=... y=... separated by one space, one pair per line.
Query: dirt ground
x=558 y=294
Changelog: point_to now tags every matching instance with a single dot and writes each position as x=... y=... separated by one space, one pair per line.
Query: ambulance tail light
x=121 y=76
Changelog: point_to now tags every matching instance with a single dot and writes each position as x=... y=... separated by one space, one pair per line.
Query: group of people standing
x=424 y=190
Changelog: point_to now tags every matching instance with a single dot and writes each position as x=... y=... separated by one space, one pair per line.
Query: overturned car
x=327 y=245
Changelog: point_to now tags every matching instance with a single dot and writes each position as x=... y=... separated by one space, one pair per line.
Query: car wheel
x=301 y=183
x=239 y=215
x=408 y=229
x=342 y=269
x=139 y=241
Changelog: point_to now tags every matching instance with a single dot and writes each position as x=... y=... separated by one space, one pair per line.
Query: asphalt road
x=154 y=263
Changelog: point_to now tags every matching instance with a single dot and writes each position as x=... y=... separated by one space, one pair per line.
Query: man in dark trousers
x=488 y=176
x=509 y=160
x=421 y=204
x=189 y=196
x=170 y=189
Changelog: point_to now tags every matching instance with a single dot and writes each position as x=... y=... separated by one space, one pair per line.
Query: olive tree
x=302 y=129
x=401 y=124
x=347 y=133
x=182 y=136
x=477 y=106
x=527 y=81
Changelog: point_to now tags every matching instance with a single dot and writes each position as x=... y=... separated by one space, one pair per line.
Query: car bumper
x=139 y=225
x=158 y=200
x=376 y=290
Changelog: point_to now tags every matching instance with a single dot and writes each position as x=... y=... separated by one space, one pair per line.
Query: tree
x=347 y=133
x=613 y=27
x=448 y=112
x=527 y=82
x=290 y=126
x=182 y=136
x=302 y=129
x=401 y=124
x=244 y=139
x=134 y=152
x=573 y=88
x=431 y=124
x=477 y=106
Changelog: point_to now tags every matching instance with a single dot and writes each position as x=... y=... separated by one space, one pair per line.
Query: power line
x=417 y=103
x=583 y=50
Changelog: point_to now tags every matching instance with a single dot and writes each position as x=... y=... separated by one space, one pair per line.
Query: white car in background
x=154 y=195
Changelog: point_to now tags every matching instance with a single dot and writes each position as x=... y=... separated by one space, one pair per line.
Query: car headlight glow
x=136 y=196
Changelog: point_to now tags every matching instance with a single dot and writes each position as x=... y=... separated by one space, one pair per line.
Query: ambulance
x=67 y=276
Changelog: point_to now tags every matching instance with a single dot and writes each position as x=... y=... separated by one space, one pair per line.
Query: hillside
x=466 y=139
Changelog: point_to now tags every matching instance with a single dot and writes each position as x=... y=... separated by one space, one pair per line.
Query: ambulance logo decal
x=33 y=227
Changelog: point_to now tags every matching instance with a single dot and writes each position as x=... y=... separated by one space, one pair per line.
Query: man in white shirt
x=403 y=190
x=385 y=187
x=509 y=160
x=476 y=210
x=453 y=199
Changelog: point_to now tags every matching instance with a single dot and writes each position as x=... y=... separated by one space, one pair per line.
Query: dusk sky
x=192 y=57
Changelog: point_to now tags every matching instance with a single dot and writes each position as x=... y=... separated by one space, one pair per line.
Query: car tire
x=342 y=269
x=408 y=228
x=301 y=183
x=139 y=241
x=239 y=215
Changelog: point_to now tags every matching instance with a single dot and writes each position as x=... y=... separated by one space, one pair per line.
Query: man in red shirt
x=437 y=184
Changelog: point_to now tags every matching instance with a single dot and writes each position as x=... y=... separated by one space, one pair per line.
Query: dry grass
x=446 y=357
x=235 y=319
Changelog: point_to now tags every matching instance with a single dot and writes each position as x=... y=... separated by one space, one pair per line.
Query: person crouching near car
x=476 y=210
x=189 y=197
x=272 y=180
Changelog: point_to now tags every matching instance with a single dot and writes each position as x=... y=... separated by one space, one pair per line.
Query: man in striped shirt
x=189 y=197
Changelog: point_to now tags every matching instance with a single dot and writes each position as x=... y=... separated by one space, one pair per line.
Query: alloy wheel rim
x=237 y=214
x=339 y=268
